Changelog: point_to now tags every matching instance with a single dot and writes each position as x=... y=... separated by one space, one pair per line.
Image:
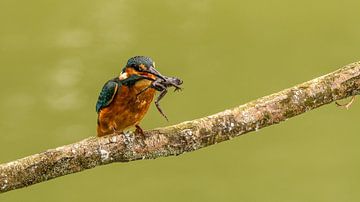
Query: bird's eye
x=137 y=68
x=141 y=68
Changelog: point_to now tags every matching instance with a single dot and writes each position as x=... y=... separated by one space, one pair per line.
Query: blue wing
x=107 y=94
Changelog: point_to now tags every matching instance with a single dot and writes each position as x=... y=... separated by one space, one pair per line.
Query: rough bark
x=184 y=137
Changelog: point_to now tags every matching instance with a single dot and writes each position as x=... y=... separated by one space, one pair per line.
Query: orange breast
x=126 y=109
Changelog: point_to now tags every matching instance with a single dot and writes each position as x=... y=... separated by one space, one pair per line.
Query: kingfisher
x=122 y=103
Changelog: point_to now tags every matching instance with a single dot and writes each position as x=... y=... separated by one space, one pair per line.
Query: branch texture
x=184 y=137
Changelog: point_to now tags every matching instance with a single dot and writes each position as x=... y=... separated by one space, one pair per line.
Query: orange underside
x=126 y=109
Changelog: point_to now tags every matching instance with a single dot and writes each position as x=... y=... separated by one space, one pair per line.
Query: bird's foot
x=139 y=132
x=347 y=105
x=116 y=131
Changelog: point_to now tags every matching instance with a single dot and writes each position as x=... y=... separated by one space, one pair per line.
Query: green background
x=56 y=55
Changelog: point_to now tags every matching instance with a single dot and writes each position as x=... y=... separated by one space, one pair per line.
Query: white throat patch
x=123 y=76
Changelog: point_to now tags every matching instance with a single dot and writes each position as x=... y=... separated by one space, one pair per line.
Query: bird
x=119 y=105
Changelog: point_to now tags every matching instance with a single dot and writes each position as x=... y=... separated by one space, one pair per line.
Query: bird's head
x=140 y=65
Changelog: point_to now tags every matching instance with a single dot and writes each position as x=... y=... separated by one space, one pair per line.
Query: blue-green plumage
x=111 y=87
x=134 y=62
x=107 y=93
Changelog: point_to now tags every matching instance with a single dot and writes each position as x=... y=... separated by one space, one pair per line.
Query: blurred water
x=56 y=55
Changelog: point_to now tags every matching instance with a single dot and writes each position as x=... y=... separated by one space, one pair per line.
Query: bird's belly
x=127 y=109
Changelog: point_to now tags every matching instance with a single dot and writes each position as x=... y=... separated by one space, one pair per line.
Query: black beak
x=154 y=72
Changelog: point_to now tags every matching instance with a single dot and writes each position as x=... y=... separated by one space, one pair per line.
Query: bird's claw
x=140 y=132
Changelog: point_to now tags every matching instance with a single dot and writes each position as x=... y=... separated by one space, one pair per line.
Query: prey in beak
x=161 y=85
x=144 y=67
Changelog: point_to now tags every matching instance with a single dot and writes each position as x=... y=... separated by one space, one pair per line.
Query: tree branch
x=184 y=137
